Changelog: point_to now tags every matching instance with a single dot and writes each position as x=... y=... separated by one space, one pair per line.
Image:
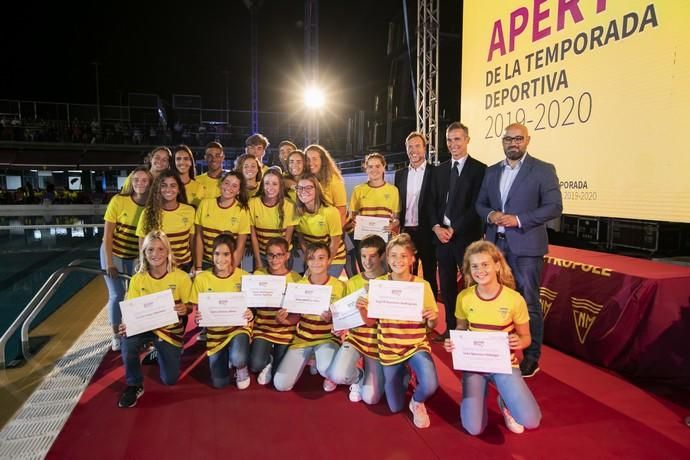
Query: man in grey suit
x=518 y=196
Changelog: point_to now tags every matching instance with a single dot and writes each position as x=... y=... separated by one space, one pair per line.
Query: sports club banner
x=603 y=87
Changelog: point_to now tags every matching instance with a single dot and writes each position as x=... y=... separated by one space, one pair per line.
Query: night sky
x=162 y=48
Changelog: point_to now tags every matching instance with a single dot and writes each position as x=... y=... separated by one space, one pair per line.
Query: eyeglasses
x=517 y=139
x=275 y=256
x=304 y=188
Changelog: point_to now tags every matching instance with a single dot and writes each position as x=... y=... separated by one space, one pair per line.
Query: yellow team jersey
x=266 y=326
x=382 y=201
x=398 y=339
x=501 y=313
x=218 y=337
x=178 y=226
x=125 y=214
x=211 y=184
x=214 y=220
x=311 y=329
x=178 y=281
x=363 y=338
x=320 y=227
x=196 y=191
x=334 y=192
x=266 y=220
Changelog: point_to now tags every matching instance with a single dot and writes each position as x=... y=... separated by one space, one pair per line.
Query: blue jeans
x=292 y=365
x=235 y=354
x=427 y=381
x=116 y=286
x=260 y=352
x=513 y=390
x=343 y=371
x=527 y=272
x=168 y=358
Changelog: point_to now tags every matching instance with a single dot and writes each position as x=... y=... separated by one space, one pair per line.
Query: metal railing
x=39 y=301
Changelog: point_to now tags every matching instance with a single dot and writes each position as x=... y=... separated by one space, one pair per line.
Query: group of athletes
x=172 y=229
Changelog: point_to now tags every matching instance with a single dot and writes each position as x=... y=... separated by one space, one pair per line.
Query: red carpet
x=587 y=413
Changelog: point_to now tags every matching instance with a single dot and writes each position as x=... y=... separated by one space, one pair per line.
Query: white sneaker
x=264 y=377
x=242 y=379
x=329 y=386
x=115 y=343
x=356 y=388
x=511 y=424
x=419 y=415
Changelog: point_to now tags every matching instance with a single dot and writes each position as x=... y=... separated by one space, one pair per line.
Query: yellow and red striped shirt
x=364 y=338
x=311 y=329
x=178 y=281
x=218 y=337
x=398 y=339
x=125 y=213
x=501 y=313
x=266 y=220
x=178 y=226
x=320 y=227
x=381 y=201
x=265 y=324
x=214 y=220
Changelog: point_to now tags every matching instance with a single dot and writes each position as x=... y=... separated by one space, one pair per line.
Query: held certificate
x=309 y=299
x=263 y=291
x=401 y=300
x=222 y=309
x=345 y=312
x=366 y=225
x=149 y=312
x=481 y=352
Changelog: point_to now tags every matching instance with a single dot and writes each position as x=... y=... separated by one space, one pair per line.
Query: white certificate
x=401 y=300
x=345 y=312
x=263 y=291
x=481 y=352
x=309 y=299
x=366 y=225
x=222 y=309
x=148 y=312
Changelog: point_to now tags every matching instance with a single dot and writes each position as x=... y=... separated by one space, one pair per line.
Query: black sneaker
x=130 y=395
x=528 y=368
x=150 y=358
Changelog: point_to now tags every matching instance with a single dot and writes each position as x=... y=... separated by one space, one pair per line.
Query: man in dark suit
x=518 y=197
x=454 y=188
x=413 y=185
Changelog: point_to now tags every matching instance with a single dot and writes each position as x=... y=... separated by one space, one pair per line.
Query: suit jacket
x=401 y=184
x=463 y=217
x=534 y=197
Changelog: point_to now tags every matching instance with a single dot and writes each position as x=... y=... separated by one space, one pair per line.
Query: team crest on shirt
x=503 y=311
x=386 y=196
x=172 y=287
x=185 y=220
x=234 y=220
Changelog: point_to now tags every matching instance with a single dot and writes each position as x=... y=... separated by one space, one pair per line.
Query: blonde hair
x=128 y=189
x=403 y=240
x=504 y=275
x=143 y=266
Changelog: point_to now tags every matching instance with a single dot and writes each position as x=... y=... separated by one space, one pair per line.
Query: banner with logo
x=604 y=89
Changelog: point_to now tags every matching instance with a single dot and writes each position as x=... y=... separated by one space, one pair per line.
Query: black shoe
x=130 y=395
x=529 y=367
x=150 y=358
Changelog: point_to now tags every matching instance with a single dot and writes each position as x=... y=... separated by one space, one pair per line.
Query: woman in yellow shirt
x=120 y=247
x=250 y=168
x=185 y=167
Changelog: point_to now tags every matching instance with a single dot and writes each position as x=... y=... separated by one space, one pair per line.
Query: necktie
x=452 y=185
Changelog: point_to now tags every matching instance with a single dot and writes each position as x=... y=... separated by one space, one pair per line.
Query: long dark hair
x=154 y=204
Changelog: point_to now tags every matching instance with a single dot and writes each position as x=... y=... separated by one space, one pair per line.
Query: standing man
x=518 y=197
x=256 y=145
x=413 y=187
x=454 y=189
x=284 y=149
x=214 y=157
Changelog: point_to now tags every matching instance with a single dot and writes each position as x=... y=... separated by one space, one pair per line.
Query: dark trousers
x=449 y=256
x=527 y=272
x=426 y=254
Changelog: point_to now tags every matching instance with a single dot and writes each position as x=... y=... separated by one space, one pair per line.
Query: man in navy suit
x=518 y=197
x=413 y=185
x=452 y=215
